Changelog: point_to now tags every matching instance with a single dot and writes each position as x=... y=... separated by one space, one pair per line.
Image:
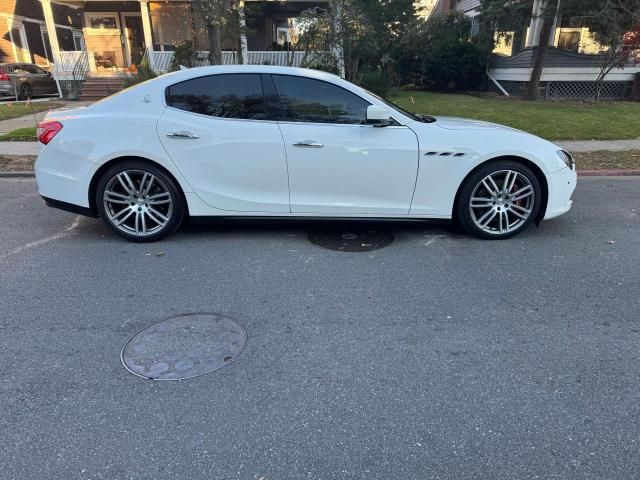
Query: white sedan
x=262 y=141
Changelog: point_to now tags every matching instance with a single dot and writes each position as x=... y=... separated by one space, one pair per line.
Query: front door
x=337 y=163
x=134 y=38
x=216 y=132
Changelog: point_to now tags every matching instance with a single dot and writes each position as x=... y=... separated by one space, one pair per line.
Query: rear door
x=216 y=131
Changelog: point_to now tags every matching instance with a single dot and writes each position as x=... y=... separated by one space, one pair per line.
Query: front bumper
x=561 y=185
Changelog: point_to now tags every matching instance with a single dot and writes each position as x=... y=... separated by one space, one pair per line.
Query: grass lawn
x=20 y=135
x=550 y=120
x=15 y=110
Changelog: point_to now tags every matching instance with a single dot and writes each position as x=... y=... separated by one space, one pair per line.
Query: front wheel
x=499 y=200
x=139 y=201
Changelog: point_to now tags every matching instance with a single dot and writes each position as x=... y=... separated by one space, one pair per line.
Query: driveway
x=439 y=356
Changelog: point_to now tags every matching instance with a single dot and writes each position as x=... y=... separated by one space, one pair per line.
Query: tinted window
x=31 y=69
x=309 y=100
x=226 y=96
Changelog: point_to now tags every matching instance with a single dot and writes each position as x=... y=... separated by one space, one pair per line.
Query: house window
x=569 y=41
x=102 y=23
x=285 y=30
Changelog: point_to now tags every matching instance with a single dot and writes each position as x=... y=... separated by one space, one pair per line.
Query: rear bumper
x=561 y=185
x=69 y=207
x=62 y=176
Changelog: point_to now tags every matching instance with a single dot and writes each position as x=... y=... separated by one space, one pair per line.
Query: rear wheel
x=499 y=200
x=139 y=201
x=25 y=92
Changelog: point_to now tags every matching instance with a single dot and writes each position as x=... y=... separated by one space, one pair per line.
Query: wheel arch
x=537 y=171
x=93 y=185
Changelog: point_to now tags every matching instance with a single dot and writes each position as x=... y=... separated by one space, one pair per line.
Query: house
x=571 y=66
x=81 y=38
x=24 y=36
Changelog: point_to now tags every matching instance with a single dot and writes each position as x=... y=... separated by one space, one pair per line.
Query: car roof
x=217 y=69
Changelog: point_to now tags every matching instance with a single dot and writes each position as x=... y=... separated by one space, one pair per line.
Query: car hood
x=454 y=123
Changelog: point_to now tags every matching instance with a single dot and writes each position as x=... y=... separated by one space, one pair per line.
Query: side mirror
x=378 y=116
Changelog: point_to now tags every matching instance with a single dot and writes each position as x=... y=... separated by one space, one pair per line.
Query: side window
x=224 y=95
x=32 y=69
x=310 y=100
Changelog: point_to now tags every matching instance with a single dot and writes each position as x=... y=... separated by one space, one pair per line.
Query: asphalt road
x=438 y=357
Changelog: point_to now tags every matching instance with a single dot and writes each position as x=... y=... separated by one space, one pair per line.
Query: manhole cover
x=352 y=239
x=183 y=347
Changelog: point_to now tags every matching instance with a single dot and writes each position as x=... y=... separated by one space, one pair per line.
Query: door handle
x=183 y=135
x=308 y=144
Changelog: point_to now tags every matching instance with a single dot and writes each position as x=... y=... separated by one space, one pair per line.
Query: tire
x=142 y=203
x=25 y=92
x=506 y=199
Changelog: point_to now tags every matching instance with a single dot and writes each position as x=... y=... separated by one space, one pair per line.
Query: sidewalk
x=598 y=145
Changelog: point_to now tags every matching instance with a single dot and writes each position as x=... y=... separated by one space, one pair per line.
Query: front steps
x=97 y=87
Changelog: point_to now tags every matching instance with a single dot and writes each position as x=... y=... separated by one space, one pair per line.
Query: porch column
x=243 y=33
x=53 y=35
x=146 y=24
x=537 y=18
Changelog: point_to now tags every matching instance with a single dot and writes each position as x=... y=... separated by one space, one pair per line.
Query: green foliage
x=500 y=20
x=324 y=61
x=142 y=73
x=378 y=81
x=439 y=54
x=183 y=54
x=27 y=134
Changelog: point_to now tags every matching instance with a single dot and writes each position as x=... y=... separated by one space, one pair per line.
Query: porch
x=119 y=34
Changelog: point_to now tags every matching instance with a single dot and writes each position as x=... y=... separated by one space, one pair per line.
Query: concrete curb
x=609 y=173
x=23 y=174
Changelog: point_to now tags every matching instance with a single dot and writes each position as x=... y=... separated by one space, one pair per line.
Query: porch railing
x=69 y=59
x=161 y=61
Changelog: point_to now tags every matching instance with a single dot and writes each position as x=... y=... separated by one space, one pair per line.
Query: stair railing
x=79 y=73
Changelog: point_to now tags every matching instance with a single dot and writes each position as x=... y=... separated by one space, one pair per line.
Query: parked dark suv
x=25 y=80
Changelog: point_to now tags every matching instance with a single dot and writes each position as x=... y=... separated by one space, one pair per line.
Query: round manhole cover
x=352 y=239
x=183 y=347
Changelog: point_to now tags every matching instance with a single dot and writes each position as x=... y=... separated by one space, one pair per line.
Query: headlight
x=566 y=158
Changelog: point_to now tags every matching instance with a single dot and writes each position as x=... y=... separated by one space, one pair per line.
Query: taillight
x=4 y=76
x=48 y=130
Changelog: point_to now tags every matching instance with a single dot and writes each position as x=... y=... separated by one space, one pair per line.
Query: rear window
x=223 y=96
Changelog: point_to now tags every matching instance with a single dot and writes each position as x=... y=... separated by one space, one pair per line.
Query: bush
x=440 y=54
x=183 y=54
x=453 y=67
x=324 y=61
x=139 y=74
x=377 y=81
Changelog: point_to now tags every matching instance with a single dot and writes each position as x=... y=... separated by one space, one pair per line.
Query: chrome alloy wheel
x=501 y=202
x=137 y=202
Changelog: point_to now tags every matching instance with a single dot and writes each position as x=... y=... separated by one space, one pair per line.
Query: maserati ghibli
x=282 y=142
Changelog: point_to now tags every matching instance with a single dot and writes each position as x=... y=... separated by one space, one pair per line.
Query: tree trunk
x=215 y=44
x=540 y=51
x=242 y=31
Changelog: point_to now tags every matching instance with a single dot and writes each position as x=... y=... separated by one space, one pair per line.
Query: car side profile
x=263 y=141
x=26 y=80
